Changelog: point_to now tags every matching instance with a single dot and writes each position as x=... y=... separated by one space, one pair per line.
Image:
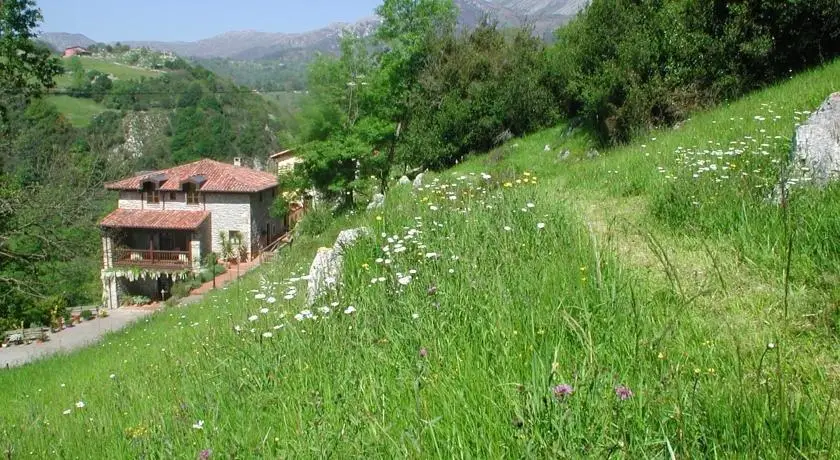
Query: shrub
x=140 y=300
x=315 y=222
x=87 y=315
x=182 y=289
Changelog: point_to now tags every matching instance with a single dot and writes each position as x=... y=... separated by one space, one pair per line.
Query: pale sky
x=190 y=20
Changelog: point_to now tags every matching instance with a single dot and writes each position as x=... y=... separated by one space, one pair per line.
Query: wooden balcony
x=146 y=258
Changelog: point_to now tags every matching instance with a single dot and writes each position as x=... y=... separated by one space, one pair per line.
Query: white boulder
x=325 y=270
x=418 y=181
x=376 y=202
x=816 y=146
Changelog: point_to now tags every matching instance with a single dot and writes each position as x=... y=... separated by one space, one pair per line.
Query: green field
x=121 y=72
x=80 y=111
x=77 y=110
x=523 y=305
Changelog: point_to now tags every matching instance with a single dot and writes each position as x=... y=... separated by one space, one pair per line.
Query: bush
x=182 y=289
x=623 y=67
x=315 y=222
x=87 y=315
x=140 y=300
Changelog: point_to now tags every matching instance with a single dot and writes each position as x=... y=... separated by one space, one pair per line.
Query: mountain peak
x=544 y=15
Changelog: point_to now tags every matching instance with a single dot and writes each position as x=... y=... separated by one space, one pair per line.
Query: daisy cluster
x=755 y=159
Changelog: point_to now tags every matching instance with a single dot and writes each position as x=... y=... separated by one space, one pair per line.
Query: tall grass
x=489 y=319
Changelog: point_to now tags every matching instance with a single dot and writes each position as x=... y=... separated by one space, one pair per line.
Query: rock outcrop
x=376 y=202
x=404 y=180
x=418 y=181
x=816 y=146
x=325 y=270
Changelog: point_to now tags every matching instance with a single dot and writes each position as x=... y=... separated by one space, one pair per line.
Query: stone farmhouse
x=168 y=220
x=285 y=161
x=75 y=51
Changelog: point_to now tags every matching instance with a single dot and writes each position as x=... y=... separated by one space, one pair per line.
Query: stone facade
x=264 y=228
x=247 y=214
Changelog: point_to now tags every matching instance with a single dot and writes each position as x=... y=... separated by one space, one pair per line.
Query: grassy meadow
x=119 y=71
x=525 y=304
x=79 y=112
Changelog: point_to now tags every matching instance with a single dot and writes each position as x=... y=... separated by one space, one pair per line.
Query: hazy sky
x=188 y=20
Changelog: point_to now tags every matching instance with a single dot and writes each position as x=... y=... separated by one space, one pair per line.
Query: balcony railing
x=150 y=258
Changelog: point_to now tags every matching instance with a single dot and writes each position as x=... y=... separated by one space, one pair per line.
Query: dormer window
x=151 y=192
x=192 y=193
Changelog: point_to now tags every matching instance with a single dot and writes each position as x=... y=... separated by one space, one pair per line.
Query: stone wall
x=229 y=212
x=264 y=228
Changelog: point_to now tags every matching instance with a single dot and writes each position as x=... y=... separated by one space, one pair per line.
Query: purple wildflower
x=424 y=352
x=623 y=392
x=563 y=390
x=205 y=454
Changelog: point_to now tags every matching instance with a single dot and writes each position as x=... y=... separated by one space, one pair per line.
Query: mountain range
x=543 y=15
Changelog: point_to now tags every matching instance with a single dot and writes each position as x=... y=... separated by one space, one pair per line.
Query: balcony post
x=195 y=252
x=107 y=252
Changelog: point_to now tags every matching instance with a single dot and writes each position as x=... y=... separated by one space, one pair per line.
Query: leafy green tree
x=408 y=30
x=27 y=67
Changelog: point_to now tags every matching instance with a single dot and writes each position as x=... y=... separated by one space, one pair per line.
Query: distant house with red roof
x=76 y=51
x=168 y=220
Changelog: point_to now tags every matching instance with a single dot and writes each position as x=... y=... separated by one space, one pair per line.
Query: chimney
x=237 y=162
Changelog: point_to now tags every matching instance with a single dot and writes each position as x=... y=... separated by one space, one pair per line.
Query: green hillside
x=109 y=67
x=79 y=112
x=559 y=308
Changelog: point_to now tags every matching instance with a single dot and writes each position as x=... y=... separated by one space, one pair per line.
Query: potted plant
x=243 y=252
x=226 y=248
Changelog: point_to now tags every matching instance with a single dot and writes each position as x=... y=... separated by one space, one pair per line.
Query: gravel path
x=90 y=332
x=71 y=338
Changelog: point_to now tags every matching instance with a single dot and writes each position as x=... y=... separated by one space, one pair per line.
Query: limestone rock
x=816 y=146
x=376 y=202
x=404 y=180
x=592 y=154
x=347 y=237
x=326 y=267
x=418 y=181
x=564 y=155
x=323 y=273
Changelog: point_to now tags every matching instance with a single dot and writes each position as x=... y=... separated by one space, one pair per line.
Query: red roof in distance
x=161 y=220
x=210 y=175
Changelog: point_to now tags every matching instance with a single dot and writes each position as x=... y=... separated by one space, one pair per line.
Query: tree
x=27 y=68
x=408 y=30
x=336 y=144
x=49 y=183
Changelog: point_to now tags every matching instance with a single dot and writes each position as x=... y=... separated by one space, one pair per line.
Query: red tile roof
x=213 y=176
x=163 y=220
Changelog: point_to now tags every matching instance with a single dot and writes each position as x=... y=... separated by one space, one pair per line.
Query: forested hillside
x=90 y=120
x=421 y=93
